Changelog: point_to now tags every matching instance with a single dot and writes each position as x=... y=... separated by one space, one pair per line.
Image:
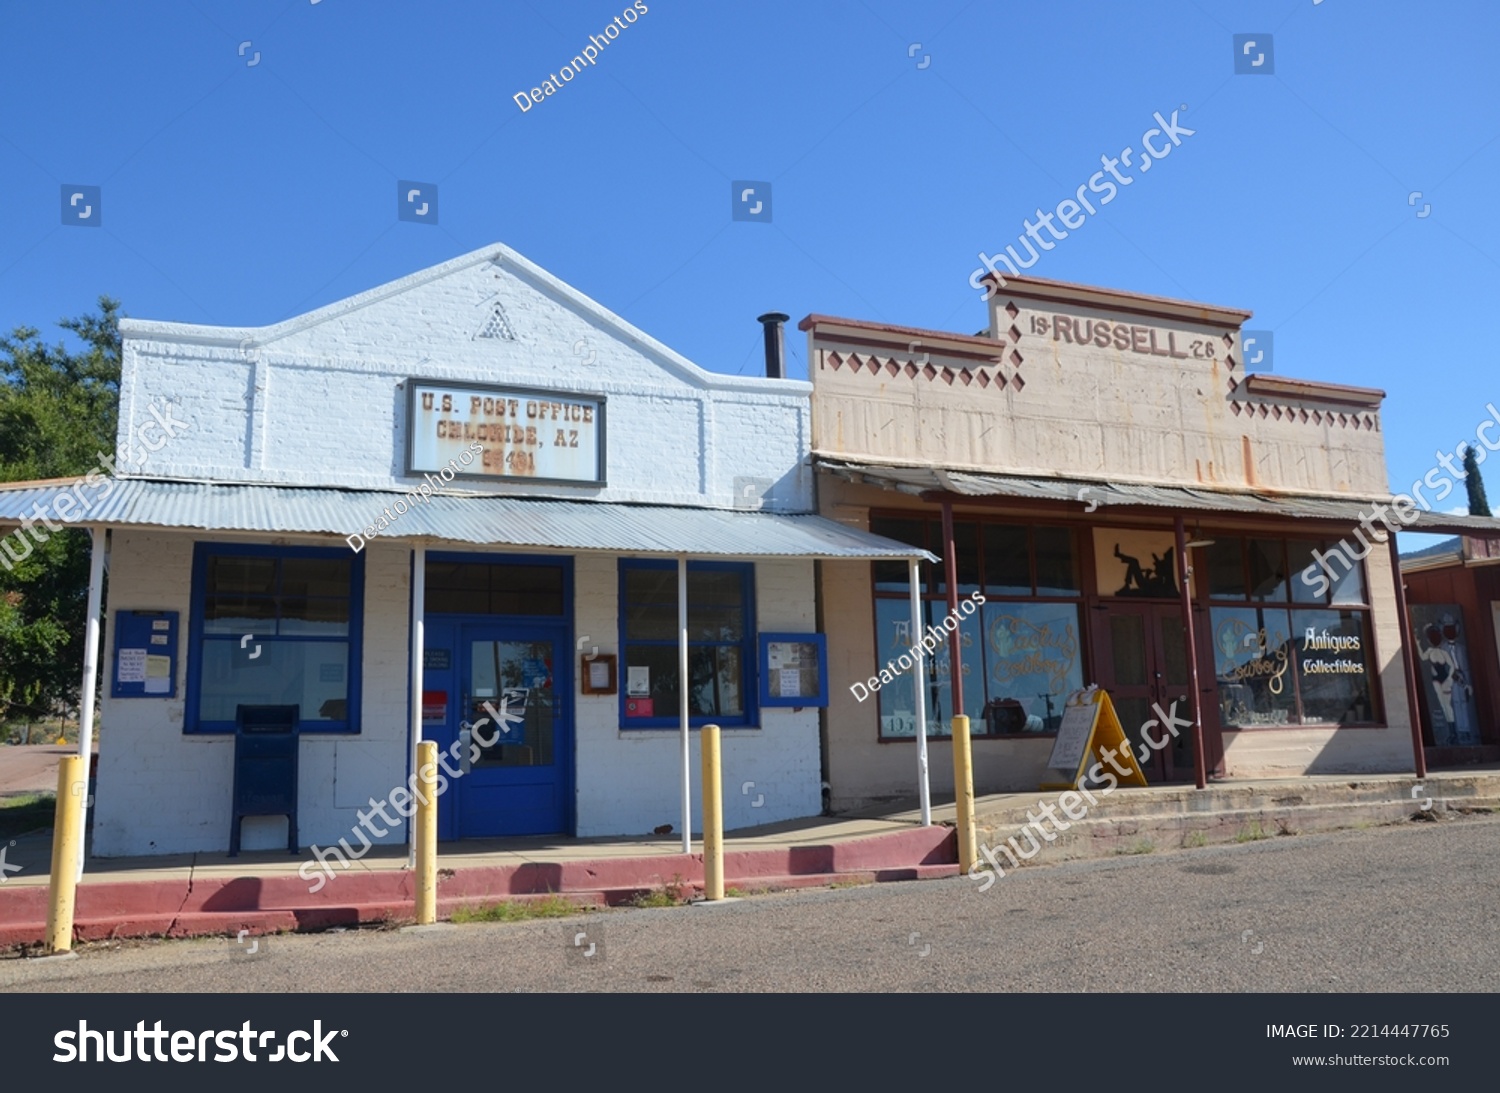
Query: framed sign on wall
x=511 y=433
x=597 y=673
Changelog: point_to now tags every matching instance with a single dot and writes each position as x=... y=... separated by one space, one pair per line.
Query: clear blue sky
x=239 y=193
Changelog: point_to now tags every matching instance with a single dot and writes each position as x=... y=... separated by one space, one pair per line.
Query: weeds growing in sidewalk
x=1251 y=834
x=668 y=895
x=518 y=910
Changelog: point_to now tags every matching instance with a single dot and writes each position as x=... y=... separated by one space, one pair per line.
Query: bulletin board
x=793 y=670
x=145 y=660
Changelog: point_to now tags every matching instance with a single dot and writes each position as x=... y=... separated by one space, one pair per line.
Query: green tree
x=59 y=407
x=1478 y=504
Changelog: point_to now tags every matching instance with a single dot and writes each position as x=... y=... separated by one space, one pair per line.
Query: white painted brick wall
x=315 y=401
x=630 y=780
x=163 y=792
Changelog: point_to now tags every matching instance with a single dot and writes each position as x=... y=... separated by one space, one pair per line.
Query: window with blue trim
x=275 y=626
x=721 y=640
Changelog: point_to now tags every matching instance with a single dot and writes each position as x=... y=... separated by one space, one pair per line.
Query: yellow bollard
x=426 y=833
x=713 y=816
x=963 y=793
x=67 y=849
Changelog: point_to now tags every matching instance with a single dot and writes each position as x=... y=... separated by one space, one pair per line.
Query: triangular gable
x=491 y=306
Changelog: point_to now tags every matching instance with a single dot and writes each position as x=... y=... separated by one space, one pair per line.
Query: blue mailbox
x=265 y=768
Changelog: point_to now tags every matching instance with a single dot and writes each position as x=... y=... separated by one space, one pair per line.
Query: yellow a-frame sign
x=1089 y=725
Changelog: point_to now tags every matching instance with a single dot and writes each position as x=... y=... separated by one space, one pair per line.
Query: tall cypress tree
x=1478 y=504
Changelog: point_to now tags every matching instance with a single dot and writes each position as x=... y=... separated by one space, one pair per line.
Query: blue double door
x=499 y=698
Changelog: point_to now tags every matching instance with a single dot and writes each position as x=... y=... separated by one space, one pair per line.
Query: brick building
x=480 y=449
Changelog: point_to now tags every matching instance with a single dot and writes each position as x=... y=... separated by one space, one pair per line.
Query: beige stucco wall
x=1171 y=407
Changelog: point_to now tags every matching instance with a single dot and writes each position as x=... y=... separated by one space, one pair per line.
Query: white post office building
x=472 y=488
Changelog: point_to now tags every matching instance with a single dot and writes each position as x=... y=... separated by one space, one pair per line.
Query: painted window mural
x=1034 y=662
x=1442 y=648
x=1136 y=563
x=1252 y=660
x=1285 y=651
x=1021 y=652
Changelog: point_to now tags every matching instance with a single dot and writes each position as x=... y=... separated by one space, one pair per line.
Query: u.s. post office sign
x=525 y=434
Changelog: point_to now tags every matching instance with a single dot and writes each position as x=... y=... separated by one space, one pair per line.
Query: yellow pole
x=67 y=851
x=426 y=832
x=963 y=793
x=713 y=816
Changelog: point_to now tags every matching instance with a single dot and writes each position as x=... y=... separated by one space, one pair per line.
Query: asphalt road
x=1413 y=908
x=31 y=769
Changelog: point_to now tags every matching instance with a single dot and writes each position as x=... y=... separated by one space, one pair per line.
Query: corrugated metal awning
x=470 y=519
x=1081 y=491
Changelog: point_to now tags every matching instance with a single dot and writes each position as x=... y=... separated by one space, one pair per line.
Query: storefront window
x=896 y=576
x=1021 y=651
x=494 y=588
x=720 y=633
x=1226 y=568
x=1034 y=659
x=1267 y=558
x=275 y=626
x=1056 y=562
x=1007 y=561
x=896 y=699
x=1253 y=665
x=971 y=659
x=1334 y=673
x=1277 y=660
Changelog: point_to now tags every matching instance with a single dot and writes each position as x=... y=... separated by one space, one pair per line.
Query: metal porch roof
x=469 y=519
x=920 y=480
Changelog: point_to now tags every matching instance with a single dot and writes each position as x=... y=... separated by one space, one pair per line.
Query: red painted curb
x=183 y=908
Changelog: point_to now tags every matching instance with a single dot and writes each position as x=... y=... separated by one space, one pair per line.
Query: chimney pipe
x=775 y=343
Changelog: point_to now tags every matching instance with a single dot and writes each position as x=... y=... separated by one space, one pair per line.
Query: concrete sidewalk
x=263 y=891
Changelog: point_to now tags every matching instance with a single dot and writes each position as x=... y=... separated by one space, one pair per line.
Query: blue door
x=501 y=693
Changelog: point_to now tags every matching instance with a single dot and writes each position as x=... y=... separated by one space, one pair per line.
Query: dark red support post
x=1184 y=570
x=955 y=643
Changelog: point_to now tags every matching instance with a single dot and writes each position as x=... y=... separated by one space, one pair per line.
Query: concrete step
x=1138 y=821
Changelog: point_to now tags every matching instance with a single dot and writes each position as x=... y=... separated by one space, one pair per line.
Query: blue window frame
x=275 y=626
x=721 y=643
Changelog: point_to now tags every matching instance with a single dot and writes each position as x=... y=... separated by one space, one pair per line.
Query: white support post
x=418 y=663
x=919 y=688
x=90 y=674
x=682 y=705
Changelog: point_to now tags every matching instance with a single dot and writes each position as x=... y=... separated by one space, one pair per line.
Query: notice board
x=793 y=670
x=145 y=660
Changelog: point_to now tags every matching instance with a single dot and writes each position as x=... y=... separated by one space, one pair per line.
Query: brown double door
x=1141 y=653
